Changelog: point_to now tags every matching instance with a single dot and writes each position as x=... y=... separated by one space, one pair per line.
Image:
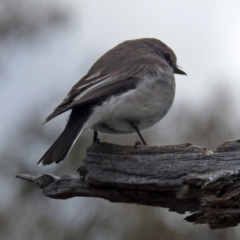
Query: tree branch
x=183 y=178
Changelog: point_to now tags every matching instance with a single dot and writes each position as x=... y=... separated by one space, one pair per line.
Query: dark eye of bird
x=167 y=56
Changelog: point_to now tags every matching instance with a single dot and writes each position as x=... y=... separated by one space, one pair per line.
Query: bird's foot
x=137 y=144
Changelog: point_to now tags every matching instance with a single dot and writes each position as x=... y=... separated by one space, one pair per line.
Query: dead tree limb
x=183 y=178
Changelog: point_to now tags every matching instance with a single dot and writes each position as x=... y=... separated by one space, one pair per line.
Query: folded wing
x=98 y=87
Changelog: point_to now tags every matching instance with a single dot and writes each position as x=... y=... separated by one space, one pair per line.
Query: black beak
x=179 y=71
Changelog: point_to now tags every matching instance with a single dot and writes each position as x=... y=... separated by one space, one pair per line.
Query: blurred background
x=47 y=46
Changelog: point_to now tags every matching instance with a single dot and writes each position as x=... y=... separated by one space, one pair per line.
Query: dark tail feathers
x=61 y=147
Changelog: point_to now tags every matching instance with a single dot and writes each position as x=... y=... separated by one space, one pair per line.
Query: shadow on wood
x=183 y=178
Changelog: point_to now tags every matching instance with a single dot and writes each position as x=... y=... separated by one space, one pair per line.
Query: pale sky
x=205 y=36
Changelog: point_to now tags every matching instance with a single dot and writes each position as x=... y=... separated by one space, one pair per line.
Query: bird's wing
x=97 y=87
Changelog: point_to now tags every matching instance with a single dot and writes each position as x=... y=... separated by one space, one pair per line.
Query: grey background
x=46 y=46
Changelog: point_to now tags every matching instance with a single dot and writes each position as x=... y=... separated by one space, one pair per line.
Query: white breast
x=145 y=106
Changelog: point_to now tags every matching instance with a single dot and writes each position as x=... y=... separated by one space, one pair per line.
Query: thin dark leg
x=139 y=133
x=95 y=136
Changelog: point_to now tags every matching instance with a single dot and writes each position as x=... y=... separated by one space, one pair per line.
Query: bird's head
x=165 y=52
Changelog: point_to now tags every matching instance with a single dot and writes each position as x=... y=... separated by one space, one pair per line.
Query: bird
x=128 y=89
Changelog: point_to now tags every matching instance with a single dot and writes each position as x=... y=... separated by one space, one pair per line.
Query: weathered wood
x=183 y=178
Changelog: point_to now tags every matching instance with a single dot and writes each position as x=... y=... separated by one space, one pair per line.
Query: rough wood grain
x=183 y=178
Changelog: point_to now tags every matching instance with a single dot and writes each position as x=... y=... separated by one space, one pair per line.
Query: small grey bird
x=128 y=89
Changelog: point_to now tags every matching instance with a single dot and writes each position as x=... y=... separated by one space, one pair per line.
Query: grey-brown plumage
x=131 y=87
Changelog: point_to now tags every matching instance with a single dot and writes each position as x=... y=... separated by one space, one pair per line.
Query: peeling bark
x=183 y=178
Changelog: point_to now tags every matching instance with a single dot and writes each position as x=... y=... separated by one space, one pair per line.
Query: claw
x=137 y=144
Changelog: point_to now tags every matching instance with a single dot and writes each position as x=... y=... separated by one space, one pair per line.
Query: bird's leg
x=139 y=134
x=95 y=137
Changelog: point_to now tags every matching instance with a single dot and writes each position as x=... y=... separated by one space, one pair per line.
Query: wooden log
x=183 y=178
